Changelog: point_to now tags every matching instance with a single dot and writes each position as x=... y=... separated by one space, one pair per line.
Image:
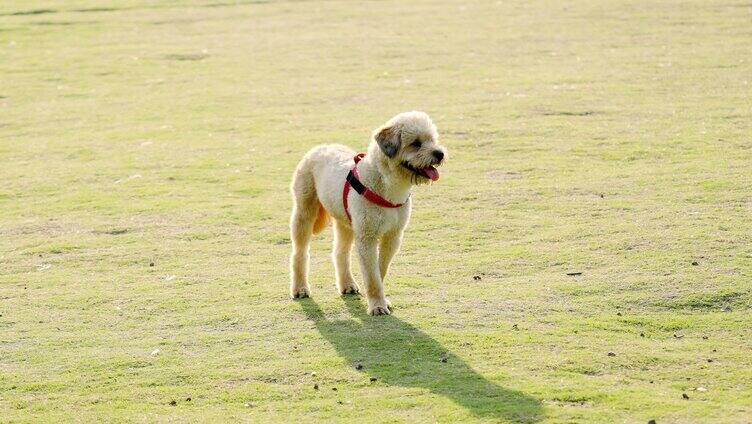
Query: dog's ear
x=389 y=140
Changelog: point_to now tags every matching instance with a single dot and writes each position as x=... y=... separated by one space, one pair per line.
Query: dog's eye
x=416 y=144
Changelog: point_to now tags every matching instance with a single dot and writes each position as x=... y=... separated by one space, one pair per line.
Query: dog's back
x=317 y=183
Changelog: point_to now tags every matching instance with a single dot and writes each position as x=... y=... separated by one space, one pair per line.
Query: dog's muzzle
x=429 y=172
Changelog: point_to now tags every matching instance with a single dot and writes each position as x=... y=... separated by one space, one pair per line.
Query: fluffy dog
x=402 y=153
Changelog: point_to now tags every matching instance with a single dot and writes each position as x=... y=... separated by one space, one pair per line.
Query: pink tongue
x=431 y=173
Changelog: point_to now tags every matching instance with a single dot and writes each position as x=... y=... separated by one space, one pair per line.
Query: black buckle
x=355 y=183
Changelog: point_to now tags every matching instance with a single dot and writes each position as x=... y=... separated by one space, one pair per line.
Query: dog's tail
x=322 y=219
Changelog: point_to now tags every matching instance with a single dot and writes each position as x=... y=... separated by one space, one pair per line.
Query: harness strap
x=352 y=180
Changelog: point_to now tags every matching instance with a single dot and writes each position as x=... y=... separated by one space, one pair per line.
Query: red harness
x=353 y=181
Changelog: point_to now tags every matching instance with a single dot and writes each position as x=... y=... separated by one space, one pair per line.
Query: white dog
x=369 y=198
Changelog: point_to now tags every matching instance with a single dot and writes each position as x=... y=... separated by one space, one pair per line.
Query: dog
x=368 y=197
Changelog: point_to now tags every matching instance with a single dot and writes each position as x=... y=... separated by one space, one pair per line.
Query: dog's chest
x=381 y=220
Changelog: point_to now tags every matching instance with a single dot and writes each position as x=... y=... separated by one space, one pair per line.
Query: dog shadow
x=396 y=353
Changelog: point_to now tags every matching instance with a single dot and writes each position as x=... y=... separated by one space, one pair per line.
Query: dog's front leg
x=343 y=239
x=389 y=246
x=369 y=267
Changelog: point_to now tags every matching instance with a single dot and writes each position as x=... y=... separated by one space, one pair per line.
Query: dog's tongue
x=431 y=173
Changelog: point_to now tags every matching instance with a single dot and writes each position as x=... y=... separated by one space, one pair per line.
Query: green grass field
x=146 y=148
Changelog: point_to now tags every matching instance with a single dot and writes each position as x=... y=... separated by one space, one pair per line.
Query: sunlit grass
x=585 y=256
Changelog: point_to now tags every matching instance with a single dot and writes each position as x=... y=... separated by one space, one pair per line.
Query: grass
x=146 y=149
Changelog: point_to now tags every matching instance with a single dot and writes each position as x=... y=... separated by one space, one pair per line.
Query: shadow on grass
x=399 y=354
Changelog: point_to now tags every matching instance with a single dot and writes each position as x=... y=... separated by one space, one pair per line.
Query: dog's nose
x=438 y=154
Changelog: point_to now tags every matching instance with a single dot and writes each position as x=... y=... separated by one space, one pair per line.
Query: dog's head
x=409 y=143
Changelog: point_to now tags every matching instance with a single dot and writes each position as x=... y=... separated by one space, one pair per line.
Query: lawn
x=585 y=257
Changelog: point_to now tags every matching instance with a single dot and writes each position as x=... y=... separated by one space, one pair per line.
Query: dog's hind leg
x=304 y=213
x=343 y=239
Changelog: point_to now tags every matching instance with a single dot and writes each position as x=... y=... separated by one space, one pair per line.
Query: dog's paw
x=379 y=310
x=299 y=292
x=379 y=307
x=349 y=288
